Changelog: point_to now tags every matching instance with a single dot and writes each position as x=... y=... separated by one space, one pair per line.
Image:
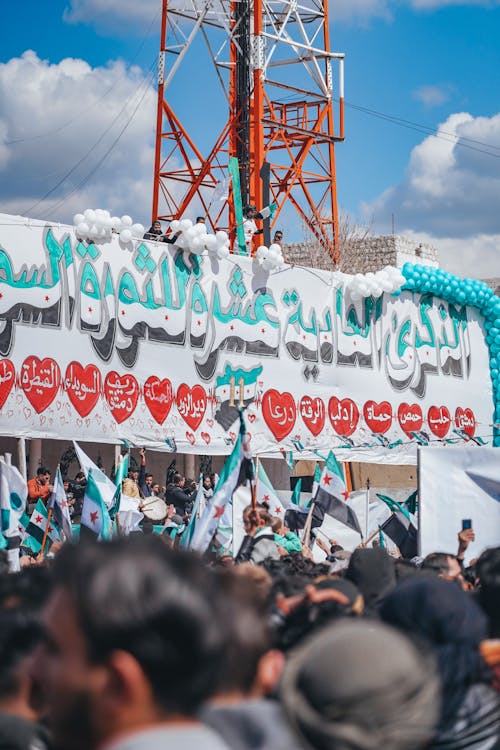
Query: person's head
x=155 y=487
x=488 y=576
x=80 y=478
x=277 y=525
x=452 y=625
x=250 y=212
x=20 y=633
x=443 y=565
x=361 y=685
x=133 y=474
x=178 y=480
x=148 y=479
x=278 y=236
x=255 y=518
x=249 y=668
x=43 y=474
x=323 y=601
x=200 y=220
x=207 y=482
x=372 y=571
x=156 y=227
x=133 y=637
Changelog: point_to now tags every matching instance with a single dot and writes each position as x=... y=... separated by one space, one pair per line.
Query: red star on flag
x=64 y=504
x=327 y=479
x=266 y=498
x=50 y=529
x=93 y=517
x=345 y=495
x=38 y=519
x=277 y=510
x=219 y=510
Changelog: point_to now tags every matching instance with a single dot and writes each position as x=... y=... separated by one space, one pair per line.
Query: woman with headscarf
x=444 y=617
x=373 y=572
x=360 y=685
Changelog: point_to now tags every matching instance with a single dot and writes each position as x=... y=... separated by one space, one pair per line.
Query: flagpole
x=46 y=532
x=253 y=485
x=307 y=526
x=372 y=536
x=367 y=506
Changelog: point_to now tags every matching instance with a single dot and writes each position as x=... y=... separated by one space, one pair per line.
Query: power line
x=145 y=83
x=97 y=101
x=458 y=140
x=82 y=182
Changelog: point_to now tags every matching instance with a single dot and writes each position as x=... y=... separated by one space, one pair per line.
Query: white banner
x=456 y=484
x=143 y=343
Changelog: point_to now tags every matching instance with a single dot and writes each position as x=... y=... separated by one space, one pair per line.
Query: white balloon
x=82 y=229
x=221 y=237
x=376 y=290
x=116 y=223
x=89 y=214
x=272 y=253
x=223 y=251
x=175 y=225
x=261 y=252
x=126 y=221
x=180 y=241
x=78 y=219
x=355 y=296
x=275 y=247
x=137 y=230
x=386 y=285
x=195 y=245
x=363 y=290
x=359 y=277
x=185 y=224
x=210 y=242
x=93 y=231
x=126 y=235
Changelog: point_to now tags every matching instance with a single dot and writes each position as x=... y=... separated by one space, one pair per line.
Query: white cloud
x=52 y=115
x=449 y=192
x=117 y=13
x=432 y=96
x=476 y=257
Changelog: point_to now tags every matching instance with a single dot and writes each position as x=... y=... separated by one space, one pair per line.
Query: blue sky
x=432 y=62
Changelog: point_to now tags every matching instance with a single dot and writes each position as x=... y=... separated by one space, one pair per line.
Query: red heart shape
x=312 y=411
x=158 y=396
x=40 y=380
x=378 y=417
x=410 y=417
x=7 y=377
x=344 y=415
x=83 y=386
x=190 y=437
x=465 y=420
x=192 y=404
x=122 y=394
x=251 y=417
x=439 y=420
x=279 y=412
x=206 y=437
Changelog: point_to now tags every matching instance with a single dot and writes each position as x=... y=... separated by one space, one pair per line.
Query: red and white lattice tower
x=272 y=63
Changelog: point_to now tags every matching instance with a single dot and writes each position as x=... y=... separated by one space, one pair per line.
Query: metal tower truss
x=275 y=72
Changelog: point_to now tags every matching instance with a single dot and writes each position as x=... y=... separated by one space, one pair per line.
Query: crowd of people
x=137 y=643
x=250 y=229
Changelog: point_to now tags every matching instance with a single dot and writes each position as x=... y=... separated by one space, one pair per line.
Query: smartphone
x=466 y=524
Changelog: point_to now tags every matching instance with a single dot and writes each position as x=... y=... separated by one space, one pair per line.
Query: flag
x=400 y=527
x=331 y=496
x=295 y=498
x=35 y=530
x=58 y=502
x=411 y=503
x=316 y=479
x=237 y=467
x=13 y=496
x=106 y=487
x=267 y=495
x=120 y=474
x=267 y=212
x=189 y=530
x=95 y=515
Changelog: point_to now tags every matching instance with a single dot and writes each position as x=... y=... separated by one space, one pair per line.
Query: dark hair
x=488 y=573
x=200 y=218
x=42 y=470
x=249 y=634
x=177 y=478
x=148 y=476
x=159 y=605
x=20 y=631
x=437 y=562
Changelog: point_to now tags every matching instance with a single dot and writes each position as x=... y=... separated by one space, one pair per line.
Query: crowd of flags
x=104 y=513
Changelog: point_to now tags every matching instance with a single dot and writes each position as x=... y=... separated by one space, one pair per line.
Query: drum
x=153 y=508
